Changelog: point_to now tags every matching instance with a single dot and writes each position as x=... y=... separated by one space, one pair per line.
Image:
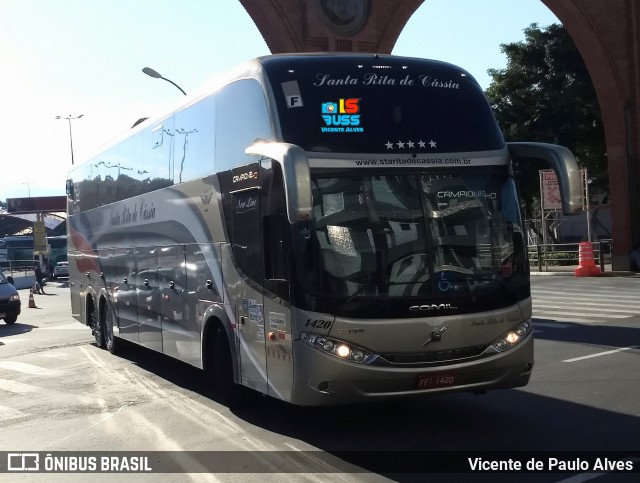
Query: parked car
x=9 y=300
x=61 y=270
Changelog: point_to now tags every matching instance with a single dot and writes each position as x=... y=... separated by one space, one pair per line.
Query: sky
x=75 y=57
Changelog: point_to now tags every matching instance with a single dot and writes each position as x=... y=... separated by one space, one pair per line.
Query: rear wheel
x=95 y=325
x=111 y=341
x=228 y=391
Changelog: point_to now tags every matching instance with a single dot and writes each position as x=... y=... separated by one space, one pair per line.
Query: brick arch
x=607 y=35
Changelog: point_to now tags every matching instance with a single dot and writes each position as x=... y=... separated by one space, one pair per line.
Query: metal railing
x=559 y=257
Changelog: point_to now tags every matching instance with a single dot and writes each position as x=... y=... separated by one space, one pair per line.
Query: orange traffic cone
x=586 y=262
x=32 y=300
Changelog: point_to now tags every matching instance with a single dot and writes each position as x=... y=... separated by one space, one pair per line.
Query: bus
x=321 y=228
x=17 y=251
x=3 y=251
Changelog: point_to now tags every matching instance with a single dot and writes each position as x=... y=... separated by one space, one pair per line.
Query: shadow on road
x=426 y=431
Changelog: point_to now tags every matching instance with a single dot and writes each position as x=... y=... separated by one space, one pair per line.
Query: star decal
x=410 y=144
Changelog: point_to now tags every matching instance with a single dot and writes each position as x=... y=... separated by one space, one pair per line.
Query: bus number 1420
x=318 y=324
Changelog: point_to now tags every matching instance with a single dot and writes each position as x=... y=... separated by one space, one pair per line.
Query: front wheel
x=228 y=391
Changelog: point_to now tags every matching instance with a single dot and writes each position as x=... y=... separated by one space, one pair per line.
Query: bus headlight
x=513 y=337
x=339 y=349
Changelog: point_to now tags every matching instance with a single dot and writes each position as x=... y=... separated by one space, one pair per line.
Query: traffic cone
x=32 y=300
x=586 y=261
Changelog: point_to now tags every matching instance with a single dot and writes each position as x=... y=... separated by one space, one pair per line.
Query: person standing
x=39 y=288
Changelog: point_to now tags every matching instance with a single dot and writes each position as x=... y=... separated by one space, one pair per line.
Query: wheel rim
x=97 y=332
x=108 y=328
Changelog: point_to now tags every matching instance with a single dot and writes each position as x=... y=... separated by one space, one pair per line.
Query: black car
x=9 y=300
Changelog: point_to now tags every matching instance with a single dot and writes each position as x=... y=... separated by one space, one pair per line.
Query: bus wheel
x=228 y=391
x=94 y=323
x=111 y=341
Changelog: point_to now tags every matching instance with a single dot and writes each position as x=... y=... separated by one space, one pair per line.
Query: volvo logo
x=430 y=307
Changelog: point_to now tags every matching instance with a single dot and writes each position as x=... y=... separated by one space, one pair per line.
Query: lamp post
x=70 y=118
x=152 y=73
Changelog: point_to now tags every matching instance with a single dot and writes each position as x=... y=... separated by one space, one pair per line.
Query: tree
x=545 y=94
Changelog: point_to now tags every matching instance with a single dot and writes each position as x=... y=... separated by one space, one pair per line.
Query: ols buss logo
x=345 y=113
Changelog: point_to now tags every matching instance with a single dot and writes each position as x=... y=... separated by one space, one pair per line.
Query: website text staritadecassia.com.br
x=414 y=161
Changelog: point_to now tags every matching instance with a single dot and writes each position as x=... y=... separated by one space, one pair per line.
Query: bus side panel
x=279 y=349
x=76 y=287
x=127 y=306
x=148 y=299
x=248 y=319
x=178 y=285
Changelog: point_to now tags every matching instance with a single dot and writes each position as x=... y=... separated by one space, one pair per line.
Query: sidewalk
x=570 y=271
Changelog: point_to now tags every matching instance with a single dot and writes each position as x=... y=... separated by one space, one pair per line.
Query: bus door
x=148 y=299
x=127 y=303
x=246 y=244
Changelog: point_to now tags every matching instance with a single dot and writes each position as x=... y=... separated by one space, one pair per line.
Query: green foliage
x=545 y=94
x=554 y=259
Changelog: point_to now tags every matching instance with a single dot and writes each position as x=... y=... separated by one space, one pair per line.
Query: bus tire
x=110 y=340
x=227 y=390
x=95 y=325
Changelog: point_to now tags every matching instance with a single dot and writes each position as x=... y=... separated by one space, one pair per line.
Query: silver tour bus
x=321 y=228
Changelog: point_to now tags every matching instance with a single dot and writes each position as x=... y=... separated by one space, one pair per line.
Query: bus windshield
x=413 y=235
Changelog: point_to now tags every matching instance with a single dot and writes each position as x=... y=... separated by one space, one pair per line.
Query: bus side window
x=245 y=233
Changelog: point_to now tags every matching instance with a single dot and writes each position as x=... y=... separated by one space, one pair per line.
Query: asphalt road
x=59 y=392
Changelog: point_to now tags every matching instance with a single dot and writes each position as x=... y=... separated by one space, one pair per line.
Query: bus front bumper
x=323 y=380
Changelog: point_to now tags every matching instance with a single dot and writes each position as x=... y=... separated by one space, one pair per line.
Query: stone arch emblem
x=343 y=17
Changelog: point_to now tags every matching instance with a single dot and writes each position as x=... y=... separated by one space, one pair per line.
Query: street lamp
x=70 y=118
x=152 y=73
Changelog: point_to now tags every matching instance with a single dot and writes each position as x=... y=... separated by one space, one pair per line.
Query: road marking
x=551 y=325
x=56 y=355
x=11 y=413
x=70 y=326
x=572 y=313
x=29 y=368
x=19 y=387
x=12 y=340
x=606 y=353
x=548 y=304
x=96 y=361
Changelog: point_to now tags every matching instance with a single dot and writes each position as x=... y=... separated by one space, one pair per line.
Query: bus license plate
x=430 y=381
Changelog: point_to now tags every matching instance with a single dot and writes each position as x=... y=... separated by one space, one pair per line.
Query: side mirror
x=10 y=279
x=563 y=163
x=296 y=174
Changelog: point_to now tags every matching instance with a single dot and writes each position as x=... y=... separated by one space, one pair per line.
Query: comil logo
x=345 y=112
